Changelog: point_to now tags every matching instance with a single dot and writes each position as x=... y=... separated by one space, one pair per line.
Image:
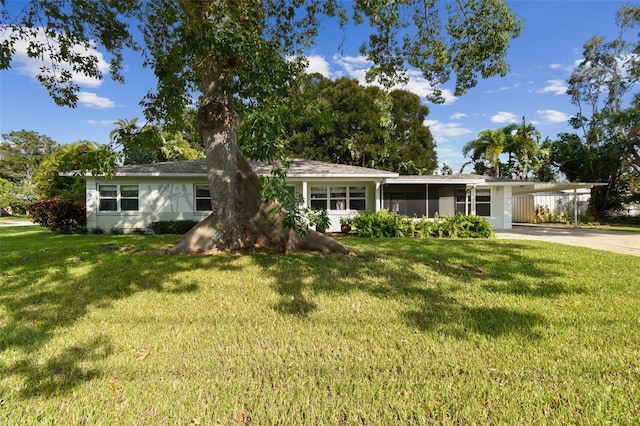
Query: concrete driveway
x=615 y=241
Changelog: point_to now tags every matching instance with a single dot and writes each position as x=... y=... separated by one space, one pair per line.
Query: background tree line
x=605 y=146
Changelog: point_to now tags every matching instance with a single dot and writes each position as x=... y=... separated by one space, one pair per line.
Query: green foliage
x=346 y=123
x=58 y=214
x=76 y=159
x=16 y=195
x=319 y=218
x=385 y=224
x=172 y=226
x=21 y=153
x=150 y=144
x=608 y=148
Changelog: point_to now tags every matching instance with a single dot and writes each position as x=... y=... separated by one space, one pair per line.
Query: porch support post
x=305 y=194
x=379 y=196
x=575 y=208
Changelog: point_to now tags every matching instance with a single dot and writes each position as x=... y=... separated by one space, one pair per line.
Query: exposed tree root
x=261 y=231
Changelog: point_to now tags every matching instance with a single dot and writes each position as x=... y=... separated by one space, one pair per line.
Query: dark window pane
x=129 y=204
x=319 y=204
x=108 y=191
x=357 y=204
x=318 y=192
x=129 y=191
x=202 y=191
x=203 y=204
x=483 y=209
x=357 y=192
x=108 y=205
x=338 y=192
x=338 y=204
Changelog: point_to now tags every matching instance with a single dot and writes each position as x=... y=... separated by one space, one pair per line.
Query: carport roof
x=535 y=187
x=518 y=187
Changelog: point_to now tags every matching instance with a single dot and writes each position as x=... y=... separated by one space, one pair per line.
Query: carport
x=538 y=187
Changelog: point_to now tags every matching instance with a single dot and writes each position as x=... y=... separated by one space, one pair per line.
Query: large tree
x=21 y=152
x=224 y=52
x=607 y=149
x=347 y=123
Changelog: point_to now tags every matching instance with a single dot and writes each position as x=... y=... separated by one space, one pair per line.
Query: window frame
x=486 y=193
x=118 y=198
x=197 y=198
x=325 y=197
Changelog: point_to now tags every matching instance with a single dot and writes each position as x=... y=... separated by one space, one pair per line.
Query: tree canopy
x=250 y=50
x=344 y=122
x=607 y=148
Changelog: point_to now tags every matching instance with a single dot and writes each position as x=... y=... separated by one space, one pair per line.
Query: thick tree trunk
x=239 y=220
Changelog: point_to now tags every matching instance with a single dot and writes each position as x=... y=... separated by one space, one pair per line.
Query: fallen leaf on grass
x=143 y=353
x=472 y=268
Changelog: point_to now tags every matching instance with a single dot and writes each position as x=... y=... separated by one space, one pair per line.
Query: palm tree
x=488 y=146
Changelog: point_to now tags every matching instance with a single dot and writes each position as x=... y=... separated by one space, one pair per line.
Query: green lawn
x=108 y=329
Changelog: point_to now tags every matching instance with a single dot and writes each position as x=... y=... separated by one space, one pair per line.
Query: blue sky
x=541 y=60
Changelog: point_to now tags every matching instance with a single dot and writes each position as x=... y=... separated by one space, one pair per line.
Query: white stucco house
x=137 y=195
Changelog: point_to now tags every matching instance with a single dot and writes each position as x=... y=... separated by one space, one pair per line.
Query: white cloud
x=458 y=115
x=92 y=100
x=556 y=87
x=421 y=87
x=32 y=66
x=442 y=132
x=504 y=117
x=318 y=64
x=357 y=66
x=553 y=116
x=101 y=123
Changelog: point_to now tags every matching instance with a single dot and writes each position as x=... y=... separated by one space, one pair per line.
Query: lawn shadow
x=48 y=282
x=426 y=275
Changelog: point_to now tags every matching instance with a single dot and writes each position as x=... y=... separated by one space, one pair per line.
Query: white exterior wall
x=501 y=207
x=174 y=199
x=158 y=199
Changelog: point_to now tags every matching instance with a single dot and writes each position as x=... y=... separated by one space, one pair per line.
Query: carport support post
x=575 y=208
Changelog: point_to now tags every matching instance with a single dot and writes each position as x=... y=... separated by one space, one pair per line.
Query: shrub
x=172 y=226
x=58 y=214
x=390 y=224
x=382 y=224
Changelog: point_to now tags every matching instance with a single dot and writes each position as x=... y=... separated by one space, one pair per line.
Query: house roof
x=299 y=168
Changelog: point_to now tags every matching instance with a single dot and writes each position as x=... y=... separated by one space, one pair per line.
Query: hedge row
x=384 y=224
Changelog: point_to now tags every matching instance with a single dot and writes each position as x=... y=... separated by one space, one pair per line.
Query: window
x=357 y=198
x=129 y=198
x=319 y=197
x=108 y=198
x=339 y=197
x=115 y=198
x=463 y=201
x=203 y=198
x=483 y=202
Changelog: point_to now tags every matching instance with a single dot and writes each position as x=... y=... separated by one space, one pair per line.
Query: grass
x=107 y=329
